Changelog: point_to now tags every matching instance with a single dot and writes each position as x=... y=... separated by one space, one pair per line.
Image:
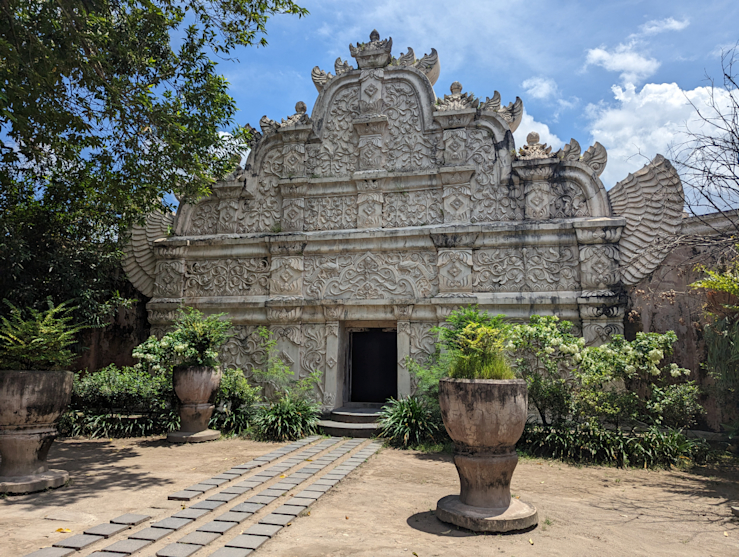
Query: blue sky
x=618 y=72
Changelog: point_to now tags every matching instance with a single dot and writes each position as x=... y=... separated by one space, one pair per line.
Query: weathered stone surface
x=232 y=552
x=172 y=523
x=130 y=519
x=151 y=534
x=268 y=530
x=516 y=516
x=127 y=546
x=106 y=530
x=178 y=550
x=199 y=538
x=52 y=552
x=207 y=505
x=277 y=519
x=79 y=541
x=217 y=527
x=247 y=541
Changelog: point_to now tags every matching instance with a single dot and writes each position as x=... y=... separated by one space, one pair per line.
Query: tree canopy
x=105 y=107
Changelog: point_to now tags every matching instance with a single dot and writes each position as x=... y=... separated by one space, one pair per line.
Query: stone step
x=351 y=415
x=343 y=429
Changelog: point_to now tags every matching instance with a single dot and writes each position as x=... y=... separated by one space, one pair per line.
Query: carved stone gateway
x=388 y=207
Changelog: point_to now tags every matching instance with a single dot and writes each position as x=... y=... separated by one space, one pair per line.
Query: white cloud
x=633 y=66
x=528 y=125
x=656 y=26
x=540 y=87
x=643 y=123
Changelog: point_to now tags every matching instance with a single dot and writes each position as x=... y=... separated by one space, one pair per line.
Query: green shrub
x=287 y=419
x=410 y=422
x=235 y=403
x=37 y=340
x=479 y=353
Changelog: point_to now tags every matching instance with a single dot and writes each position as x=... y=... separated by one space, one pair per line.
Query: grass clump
x=410 y=422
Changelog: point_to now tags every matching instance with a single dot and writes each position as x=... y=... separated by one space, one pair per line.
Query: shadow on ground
x=94 y=466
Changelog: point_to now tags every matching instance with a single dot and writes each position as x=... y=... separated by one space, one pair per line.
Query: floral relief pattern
x=415 y=208
x=227 y=277
x=531 y=269
x=204 y=219
x=371 y=276
x=407 y=147
x=339 y=148
x=330 y=213
x=568 y=202
x=244 y=349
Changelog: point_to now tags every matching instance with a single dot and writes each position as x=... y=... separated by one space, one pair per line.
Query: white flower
x=655 y=356
x=549 y=350
x=578 y=358
x=630 y=370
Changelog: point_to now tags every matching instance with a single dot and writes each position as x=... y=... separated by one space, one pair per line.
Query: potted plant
x=35 y=389
x=484 y=408
x=192 y=351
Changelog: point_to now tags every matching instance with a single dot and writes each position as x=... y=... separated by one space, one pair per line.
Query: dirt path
x=385 y=506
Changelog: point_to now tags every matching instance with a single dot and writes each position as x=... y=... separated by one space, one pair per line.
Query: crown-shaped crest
x=374 y=54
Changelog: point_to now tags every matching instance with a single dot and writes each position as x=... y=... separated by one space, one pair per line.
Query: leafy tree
x=106 y=106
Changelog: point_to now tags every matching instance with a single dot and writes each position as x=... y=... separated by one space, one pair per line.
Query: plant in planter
x=484 y=408
x=35 y=388
x=191 y=350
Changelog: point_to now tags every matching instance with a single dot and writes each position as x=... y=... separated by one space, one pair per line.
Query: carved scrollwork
x=525 y=269
x=533 y=149
x=599 y=267
x=457 y=100
x=204 y=220
x=596 y=158
x=227 y=277
x=339 y=145
x=168 y=283
x=140 y=261
x=330 y=213
x=371 y=276
x=244 y=350
x=415 y=208
x=423 y=342
x=455 y=270
x=286 y=276
x=406 y=147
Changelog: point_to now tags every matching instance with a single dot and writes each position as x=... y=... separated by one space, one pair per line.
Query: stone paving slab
x=213 y=482
x=237 y=490
x=292 y=510
x=178 y=550
x=236 y=471
x=232 y=516
x=199 y=538
x=106 y=530
x=277 y=519
x=300 y=502
x=184 y=495
x=192 y=514
x=225 y=476
x=319 y=488
x=291 y=482
x=260 y=529
x=151 y=534
x=247 y=466
x=265 y=500
x=283 y=486
x=201 y=487
x=207 y=505
x=232 y=552
x=272 y=492
x=308 y=495
x=248 y=507
x=52 y=552
x=172 y=523
x=104 y=554
x=249 y=483
x=217 y=527
x=246 y=541
x=78 y=541
x=127 y=546
x=321 y=481
x=225 y=497
x=130 y=519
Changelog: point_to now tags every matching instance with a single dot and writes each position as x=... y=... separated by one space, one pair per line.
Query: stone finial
x=533 y=149
x=570 y=152
x=342 y=66
x=374 y=54
x=493 y=104
x=457 y=100
x=300 y=116
x=320 y=78
x=596 y=158
x=374 y=36
x=300 y=107
x=512 y=114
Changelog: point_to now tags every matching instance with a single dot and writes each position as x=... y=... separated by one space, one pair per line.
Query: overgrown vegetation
x=410 y=422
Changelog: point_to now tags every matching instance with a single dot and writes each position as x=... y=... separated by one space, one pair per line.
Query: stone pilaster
x=331 y=395
x=403 y=315
x=286 y=271
x=170 y=271
x=457 y=193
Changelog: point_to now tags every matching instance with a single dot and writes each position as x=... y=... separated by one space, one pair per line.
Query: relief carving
x=339 y=145
x=407 y=147
x=525 y=269
x=330 y=213
x=454 y=147
x=455 y=270
x=457 y=203
x=369 y=210
x=415 y=208
x=205 y=219
x=538 y=199
x=599 y=268
x=227 y=277
x=286 y=276
x=371 y=276
x=423 y=342
x=292 y=214
x=244 y=349
x=168 y=283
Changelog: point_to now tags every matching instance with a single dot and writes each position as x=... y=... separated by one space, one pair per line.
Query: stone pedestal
x=195 y=387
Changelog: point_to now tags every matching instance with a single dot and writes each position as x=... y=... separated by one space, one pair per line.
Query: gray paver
x=246 y=541
x=292 y=510
x=249 y=483
x=201 y=487
x=300 y=501
x=104 y=554
x=312 y=470
x=199 y=538
x=272 y=492
x=292 y=482
x=323 y=481
x=131 y=519
x=178 y=550
x=151 y=534
x=232 y=516
x=192 y=514
x=225 y=497
x=277 y=519
x=78 y=541
x=236 y=471
x=300 y=476
x=207 y=505
x=308 y=495
x=52 y=552
x=127 y=546
x=248 y=507
x=213 y=481
x=264 y=499
x=335 y=476
x=217 y=527
x=225 y=476
x=106 y=530
x=237 y=490
x=184 y=495
x=172 y=523
x=283 y=486
x=320 y=488
x=263 y=530
x=232 y=552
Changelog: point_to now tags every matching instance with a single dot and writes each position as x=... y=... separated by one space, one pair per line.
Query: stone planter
x=196 y=388
x=485 y=418
x=30 y=404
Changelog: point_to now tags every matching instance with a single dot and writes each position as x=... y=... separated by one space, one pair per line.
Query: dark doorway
x=374 y=365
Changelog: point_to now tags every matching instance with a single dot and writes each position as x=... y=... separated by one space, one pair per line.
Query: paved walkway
x=233 y=513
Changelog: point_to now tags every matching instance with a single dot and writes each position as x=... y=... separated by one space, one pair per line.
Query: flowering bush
x=194 y=342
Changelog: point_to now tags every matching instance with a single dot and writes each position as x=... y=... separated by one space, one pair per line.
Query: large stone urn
x=30 y=404
x=196 y=388
x=485 y=418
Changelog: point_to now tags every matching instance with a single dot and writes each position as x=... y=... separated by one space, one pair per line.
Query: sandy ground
x=385 y=506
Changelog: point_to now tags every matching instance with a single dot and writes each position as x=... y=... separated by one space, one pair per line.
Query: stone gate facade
x=388 y=207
